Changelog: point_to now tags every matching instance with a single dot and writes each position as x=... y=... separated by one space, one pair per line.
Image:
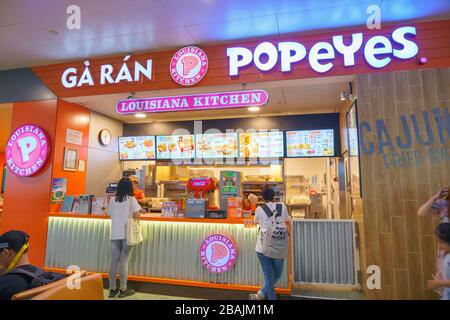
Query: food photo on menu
x=221 y=145
x=261 y=145
x=175 y=147
x=137 y=148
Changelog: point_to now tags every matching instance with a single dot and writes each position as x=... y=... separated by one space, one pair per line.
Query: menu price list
x=261 y=144
x=137 y=148
x=175 y=147
x=310 y=143
x=221 y=145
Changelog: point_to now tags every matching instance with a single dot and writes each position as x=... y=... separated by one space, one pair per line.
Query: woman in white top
x=271 y=267
x=120 y=209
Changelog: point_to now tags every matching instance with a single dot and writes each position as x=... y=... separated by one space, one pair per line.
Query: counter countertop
x=146 y=217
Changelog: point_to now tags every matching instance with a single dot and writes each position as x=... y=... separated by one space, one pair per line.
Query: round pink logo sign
x=218 y=253
x=188 y=66
x=27 y=150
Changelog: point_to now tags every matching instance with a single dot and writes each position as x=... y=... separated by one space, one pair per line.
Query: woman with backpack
x=273 y=242
x=122 y=209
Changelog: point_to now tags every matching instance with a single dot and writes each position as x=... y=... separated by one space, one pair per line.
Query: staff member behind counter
x=138 y=193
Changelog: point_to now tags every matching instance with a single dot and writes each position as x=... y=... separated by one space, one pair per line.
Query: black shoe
x=126 y=293
x=113 y=292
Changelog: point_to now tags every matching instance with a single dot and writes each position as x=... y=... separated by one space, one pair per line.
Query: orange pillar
x=2 y=162
x=27 y=200
x=76 y=117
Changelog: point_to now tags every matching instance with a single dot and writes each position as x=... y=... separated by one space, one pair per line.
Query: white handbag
x=134 y=234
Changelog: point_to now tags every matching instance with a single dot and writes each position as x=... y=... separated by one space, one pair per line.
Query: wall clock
x=105 y=137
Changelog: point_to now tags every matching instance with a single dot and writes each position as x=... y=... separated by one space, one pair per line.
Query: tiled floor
x=328 y=294
x=147 y=296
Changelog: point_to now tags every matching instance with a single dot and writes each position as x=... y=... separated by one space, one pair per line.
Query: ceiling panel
x=148 y=16
x=21 y=11
x=111 y=27
x=394 y=10
x=234 y=29
x=134 y=42
x=315 y=97
x=37 y=33
x=194 y=12
x=283 y=6
x=340 y=16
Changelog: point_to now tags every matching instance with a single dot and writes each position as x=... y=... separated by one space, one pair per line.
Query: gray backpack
x=276 y=242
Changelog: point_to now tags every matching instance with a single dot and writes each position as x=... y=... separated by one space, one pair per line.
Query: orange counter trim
x=189 y=283
x=92 y=216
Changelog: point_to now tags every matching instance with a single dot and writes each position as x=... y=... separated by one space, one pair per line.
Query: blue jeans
x=272 y=269
x=120 y=254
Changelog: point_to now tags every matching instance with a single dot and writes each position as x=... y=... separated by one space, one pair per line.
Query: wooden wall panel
x=403 y=243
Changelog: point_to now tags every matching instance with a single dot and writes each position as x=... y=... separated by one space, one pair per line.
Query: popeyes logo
x=27 y=150
x=188 y=66
x=218 y=253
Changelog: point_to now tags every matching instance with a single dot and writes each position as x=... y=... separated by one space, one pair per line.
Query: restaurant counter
x=169 y=253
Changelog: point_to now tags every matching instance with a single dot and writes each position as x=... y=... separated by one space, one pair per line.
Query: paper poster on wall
x=74 y=137
x=59 y=188
x=81 y=165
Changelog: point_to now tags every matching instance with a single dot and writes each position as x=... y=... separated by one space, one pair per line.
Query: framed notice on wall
x=353 y=146
x=74 y=137
x=70 y=159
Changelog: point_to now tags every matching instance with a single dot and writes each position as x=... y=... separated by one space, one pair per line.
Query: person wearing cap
x=14 y=255
x=138 y=193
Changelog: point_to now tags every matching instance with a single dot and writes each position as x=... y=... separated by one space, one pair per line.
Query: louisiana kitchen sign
x=27 y=150
x=222 y=100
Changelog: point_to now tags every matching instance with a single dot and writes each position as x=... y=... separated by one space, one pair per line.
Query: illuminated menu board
x=137 y=148
x=310 y=143
x=220 y=145
x=175 y=147
x=353 y=141
x=261 y=145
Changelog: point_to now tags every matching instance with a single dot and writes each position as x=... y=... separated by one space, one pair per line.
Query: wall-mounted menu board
x=310 y=143
x=216 y=145
x=137 y=148
x=175 y=147
x=261 y=145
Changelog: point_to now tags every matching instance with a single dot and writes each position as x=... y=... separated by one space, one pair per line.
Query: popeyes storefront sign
x=378 y=51
x=302 y=56
x=27 y=150
x=218 y=253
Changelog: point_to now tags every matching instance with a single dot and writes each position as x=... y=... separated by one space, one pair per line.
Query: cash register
x=112 y=188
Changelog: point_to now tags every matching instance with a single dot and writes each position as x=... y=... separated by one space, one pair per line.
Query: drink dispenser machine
x=230 y=187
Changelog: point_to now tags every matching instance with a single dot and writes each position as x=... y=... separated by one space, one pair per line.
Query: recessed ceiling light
x=140 y=115
x=254 y=109
x=54 y=32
